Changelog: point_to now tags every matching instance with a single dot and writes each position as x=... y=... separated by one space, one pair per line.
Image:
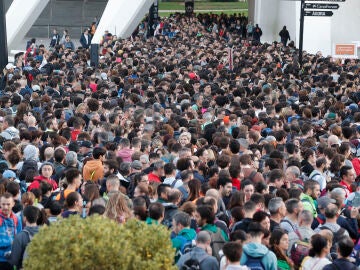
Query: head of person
x=112 y=183
x=293 y=207
x=117 y=208
x=347 y=174
x=31 y=214
x=276 y=177
x=312 y=188
x=225 y=186
x=7 y=203
x=47 y=169
x=320 y=246
x=163 y=190
x=345 y=247
x=277 y=207
x=248 y=187
x=233 y=252
x=305 y=218
x=156 y=211
x=180 y=221
x=73 y=176
x=74 y=201
x=279 y=240
x=262 y=218
x=204 y=215
x=255 y=230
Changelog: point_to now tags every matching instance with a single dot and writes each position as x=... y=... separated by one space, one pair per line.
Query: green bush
x=97 y=243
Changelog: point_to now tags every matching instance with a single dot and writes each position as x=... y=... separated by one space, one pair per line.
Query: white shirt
x=315 y=263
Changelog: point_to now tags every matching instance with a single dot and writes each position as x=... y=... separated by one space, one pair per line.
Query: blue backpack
x=254 y=263
x=187 y=245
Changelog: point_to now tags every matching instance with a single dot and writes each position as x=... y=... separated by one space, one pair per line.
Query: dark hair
x=71 y=199
x=233 y=251
x=206 y=212
x=31 y=213
x=259 y=216
x=55 y=208
x=71 y=174
x=156 y=210
x=99 y=151
x=345 y=246
x=318 y=243
x=97 y=209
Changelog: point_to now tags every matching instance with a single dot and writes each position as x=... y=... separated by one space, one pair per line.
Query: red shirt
x=236 y=183
x=154 y=178
x=348 y=189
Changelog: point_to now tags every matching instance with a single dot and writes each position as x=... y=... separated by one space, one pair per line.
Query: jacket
x=93 y=170
x=257 y=250
x=178 y=241
x=309 y=203
x=21 y=240
x=12 y=225
x=125 y=154
x=38 y=179
x=10 y=133
x=207 y=263
x=340 y=264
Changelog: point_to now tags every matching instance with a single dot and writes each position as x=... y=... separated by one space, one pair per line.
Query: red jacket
x=38 y=179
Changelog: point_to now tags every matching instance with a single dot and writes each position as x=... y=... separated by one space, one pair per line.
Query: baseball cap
x=324 y=201
x=136 y=164
x=86 y=144
x=9 y=174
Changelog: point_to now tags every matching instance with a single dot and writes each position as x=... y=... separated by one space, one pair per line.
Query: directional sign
x=325 y=0
x=321 y=6
x=318 y=13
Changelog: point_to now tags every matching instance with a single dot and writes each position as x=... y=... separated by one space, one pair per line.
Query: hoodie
x=19 y=245
x=10 y=133
x=125 y=154
x=257 y=250
x=9 y=227
x=93 y=170
x=38 y=179
x=184 y=236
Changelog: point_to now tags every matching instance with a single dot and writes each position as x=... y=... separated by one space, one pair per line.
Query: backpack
x=193 y=263
x=186 y=247
x=28 y=165
x=254 y=263
x=25 y=255
x=299 y=250
x=217 y=243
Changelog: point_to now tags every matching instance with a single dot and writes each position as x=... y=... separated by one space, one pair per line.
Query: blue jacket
x=9 y=227
x=256 y=250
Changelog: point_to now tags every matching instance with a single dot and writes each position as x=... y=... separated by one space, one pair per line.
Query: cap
x=104 y=76
x=86 y=144
x=324 y=201
x=10 y=66
x=36 y=88
x=9 y=174
x=136 y=164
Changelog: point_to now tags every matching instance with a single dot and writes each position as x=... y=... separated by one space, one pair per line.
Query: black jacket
x=339 y=264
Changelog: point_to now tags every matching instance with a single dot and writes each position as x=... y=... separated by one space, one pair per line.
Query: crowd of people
x=252 y=165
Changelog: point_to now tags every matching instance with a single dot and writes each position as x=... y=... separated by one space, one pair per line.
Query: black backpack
x=28 y=165
x=193 y=263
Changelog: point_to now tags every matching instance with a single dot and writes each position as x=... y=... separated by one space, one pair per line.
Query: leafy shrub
x=97 y=243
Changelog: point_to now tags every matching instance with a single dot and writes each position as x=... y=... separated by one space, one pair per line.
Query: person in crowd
x=320 y=248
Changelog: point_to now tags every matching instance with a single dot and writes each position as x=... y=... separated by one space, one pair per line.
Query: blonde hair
x=117 y=208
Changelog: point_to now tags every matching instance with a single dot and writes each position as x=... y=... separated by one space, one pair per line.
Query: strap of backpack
x=298 y=234
x=252 y=175
x=287 y=221
x=174 y=183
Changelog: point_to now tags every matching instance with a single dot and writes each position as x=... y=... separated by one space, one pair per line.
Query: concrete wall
x=320 y=33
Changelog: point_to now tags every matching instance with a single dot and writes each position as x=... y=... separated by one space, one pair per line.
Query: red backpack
x=299 y=250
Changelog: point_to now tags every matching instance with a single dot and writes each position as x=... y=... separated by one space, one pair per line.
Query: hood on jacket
x=125 y=154
x=255 y=250
x=93 y=164
x=10 y=133
x=32 y=230
x=188 y=233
